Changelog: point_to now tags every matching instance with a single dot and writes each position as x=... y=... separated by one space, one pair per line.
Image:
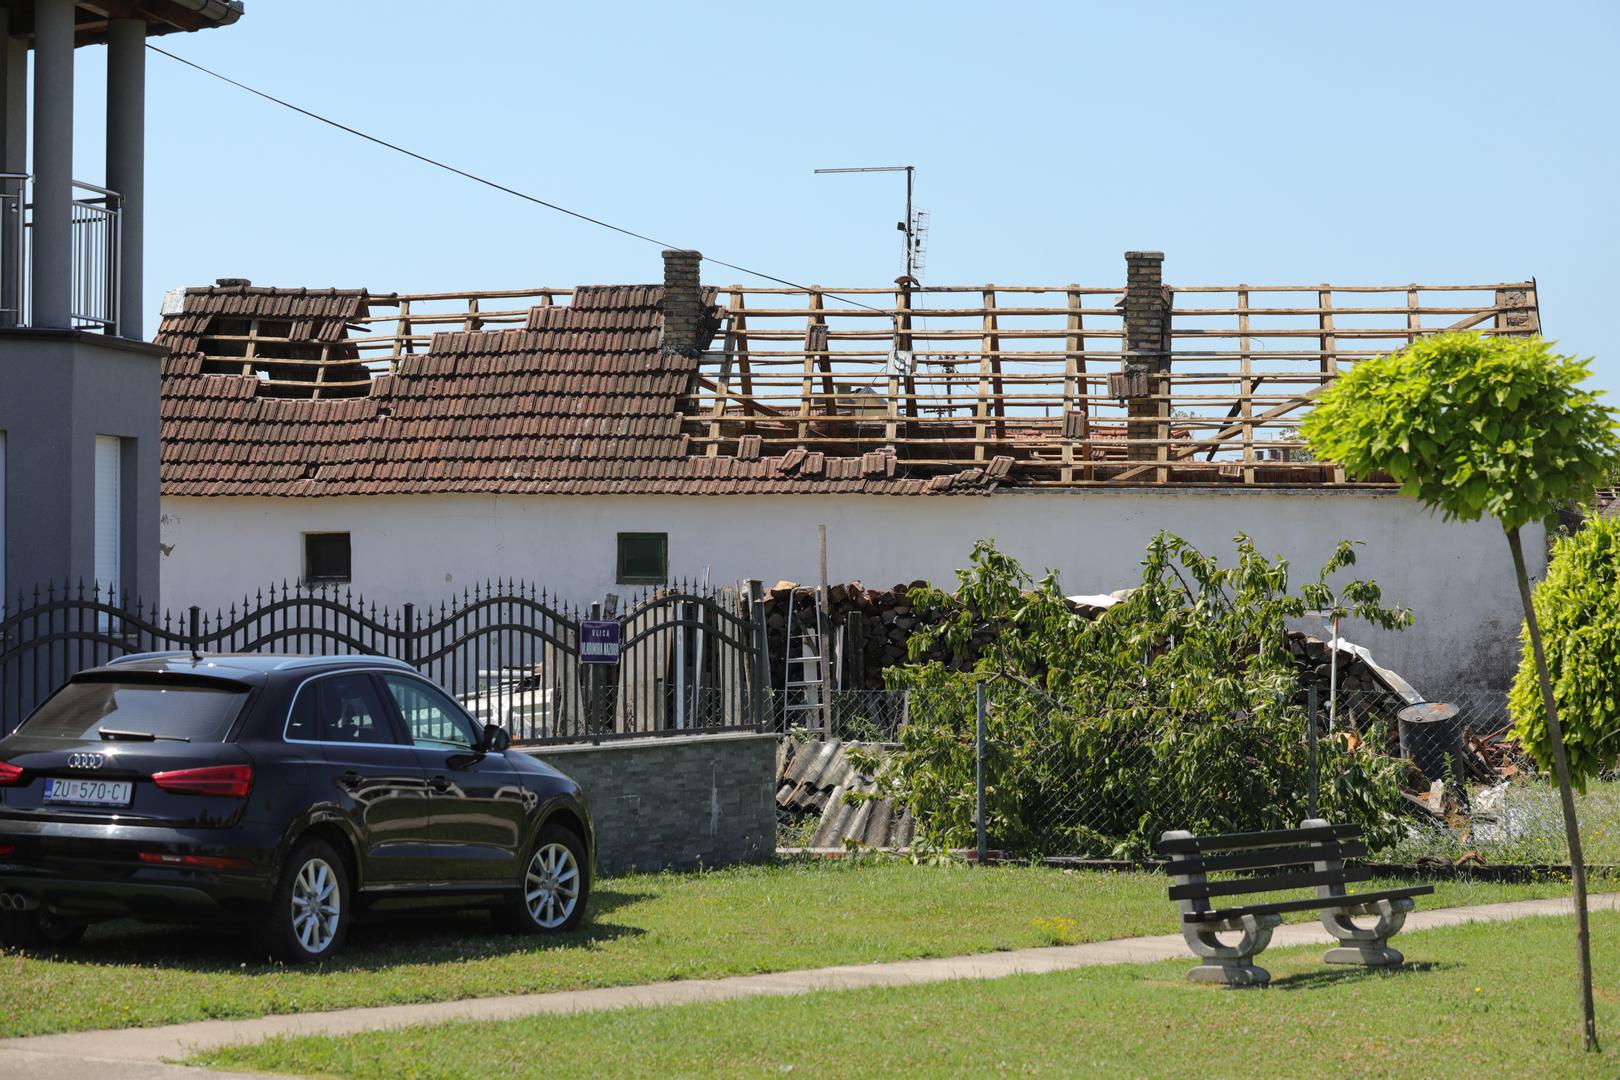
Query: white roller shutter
x=109 y=514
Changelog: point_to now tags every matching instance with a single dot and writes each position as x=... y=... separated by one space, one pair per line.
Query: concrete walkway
x=139 y=1053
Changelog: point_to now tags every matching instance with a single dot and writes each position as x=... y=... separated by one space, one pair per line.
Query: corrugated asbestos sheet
x=815 y=776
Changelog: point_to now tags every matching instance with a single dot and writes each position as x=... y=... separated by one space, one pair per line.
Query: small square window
x=326 y=558
x=643 y=558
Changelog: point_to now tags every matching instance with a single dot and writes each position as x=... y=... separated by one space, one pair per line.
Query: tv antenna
x=915 y=225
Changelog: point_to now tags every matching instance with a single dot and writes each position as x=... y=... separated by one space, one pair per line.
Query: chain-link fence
x=1438 y=782
x=846 y=715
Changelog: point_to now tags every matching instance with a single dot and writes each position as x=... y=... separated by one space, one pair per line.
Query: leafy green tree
x=1578 y=608
x=1472 y=426
x=1177 y=708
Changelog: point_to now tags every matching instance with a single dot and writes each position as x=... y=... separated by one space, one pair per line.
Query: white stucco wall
x=424 y=549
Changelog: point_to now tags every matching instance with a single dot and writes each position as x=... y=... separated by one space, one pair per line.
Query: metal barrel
x=1431 y=738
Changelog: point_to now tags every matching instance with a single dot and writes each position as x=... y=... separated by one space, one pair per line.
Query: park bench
x=1278 y=862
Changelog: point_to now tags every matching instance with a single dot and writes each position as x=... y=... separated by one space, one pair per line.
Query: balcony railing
x=94 y=238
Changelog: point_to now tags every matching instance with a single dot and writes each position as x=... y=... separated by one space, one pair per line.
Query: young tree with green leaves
x=1177 y=708
x=1470 y=426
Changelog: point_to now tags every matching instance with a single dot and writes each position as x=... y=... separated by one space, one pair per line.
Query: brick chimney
x=1147 y=305
x=688 y=325
x=1147 y=351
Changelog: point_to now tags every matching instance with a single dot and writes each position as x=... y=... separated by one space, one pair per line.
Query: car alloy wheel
x=551 y=888
x=308 y=916
x=317 y=906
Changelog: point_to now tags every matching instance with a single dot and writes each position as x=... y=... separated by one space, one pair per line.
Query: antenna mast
x=914 y=226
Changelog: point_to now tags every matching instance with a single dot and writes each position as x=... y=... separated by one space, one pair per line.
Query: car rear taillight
x=230 y=780
x=7 y=849
x=9 y=774
x=206 y=862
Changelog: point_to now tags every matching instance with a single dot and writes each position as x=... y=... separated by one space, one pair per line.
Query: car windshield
x=137 y=710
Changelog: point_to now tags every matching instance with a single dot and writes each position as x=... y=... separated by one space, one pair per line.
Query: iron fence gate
x=691 y=659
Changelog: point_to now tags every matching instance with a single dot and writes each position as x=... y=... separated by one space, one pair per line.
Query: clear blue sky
x=1353 y=143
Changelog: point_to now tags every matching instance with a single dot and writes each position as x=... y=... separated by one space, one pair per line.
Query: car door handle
x=439 y=783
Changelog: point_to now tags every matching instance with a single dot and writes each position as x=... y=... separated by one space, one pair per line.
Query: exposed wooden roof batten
x=945 y=389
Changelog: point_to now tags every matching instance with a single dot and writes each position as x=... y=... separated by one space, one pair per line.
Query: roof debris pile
x=1479 y=745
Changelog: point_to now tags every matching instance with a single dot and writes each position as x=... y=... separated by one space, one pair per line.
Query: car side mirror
x=496 y=739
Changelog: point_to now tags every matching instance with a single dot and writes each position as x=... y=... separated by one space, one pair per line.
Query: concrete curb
x=153 y=1046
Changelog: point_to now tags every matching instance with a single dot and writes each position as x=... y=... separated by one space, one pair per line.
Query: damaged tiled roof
x=580 y=400
x=323 y=312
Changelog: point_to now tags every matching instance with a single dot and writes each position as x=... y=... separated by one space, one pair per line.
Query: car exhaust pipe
x=17 y=902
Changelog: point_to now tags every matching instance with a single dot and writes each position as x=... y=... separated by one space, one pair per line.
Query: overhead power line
x=475 y=178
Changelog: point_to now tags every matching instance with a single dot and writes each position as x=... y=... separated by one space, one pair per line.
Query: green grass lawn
x=1490 y=1001
x=645 y=928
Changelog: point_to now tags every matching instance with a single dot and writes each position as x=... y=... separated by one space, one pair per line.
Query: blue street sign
x=599 y=641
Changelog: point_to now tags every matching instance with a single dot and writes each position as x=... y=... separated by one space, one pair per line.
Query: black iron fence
x=688 y=658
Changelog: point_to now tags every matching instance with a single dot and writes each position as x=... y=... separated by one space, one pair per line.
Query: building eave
x=161 y=17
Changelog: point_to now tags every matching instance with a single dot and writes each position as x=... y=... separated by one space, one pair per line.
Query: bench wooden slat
x=1273 y=838
x=1315 y=903
x=1199 y=890
x=1268 y=857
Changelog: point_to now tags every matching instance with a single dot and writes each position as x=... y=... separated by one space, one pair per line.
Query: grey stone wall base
x=1365 y=955
x=1236 y=975
x=676 y=802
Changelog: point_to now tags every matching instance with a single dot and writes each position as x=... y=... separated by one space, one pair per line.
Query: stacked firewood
x=1364 y=695
x=871 y=625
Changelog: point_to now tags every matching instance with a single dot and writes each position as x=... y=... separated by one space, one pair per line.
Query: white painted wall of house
x=423 y=549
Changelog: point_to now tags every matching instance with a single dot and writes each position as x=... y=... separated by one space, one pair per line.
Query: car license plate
x=89 y=792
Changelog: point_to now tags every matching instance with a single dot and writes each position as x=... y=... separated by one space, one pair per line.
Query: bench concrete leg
x=1366 y=946
x=1231 y=964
